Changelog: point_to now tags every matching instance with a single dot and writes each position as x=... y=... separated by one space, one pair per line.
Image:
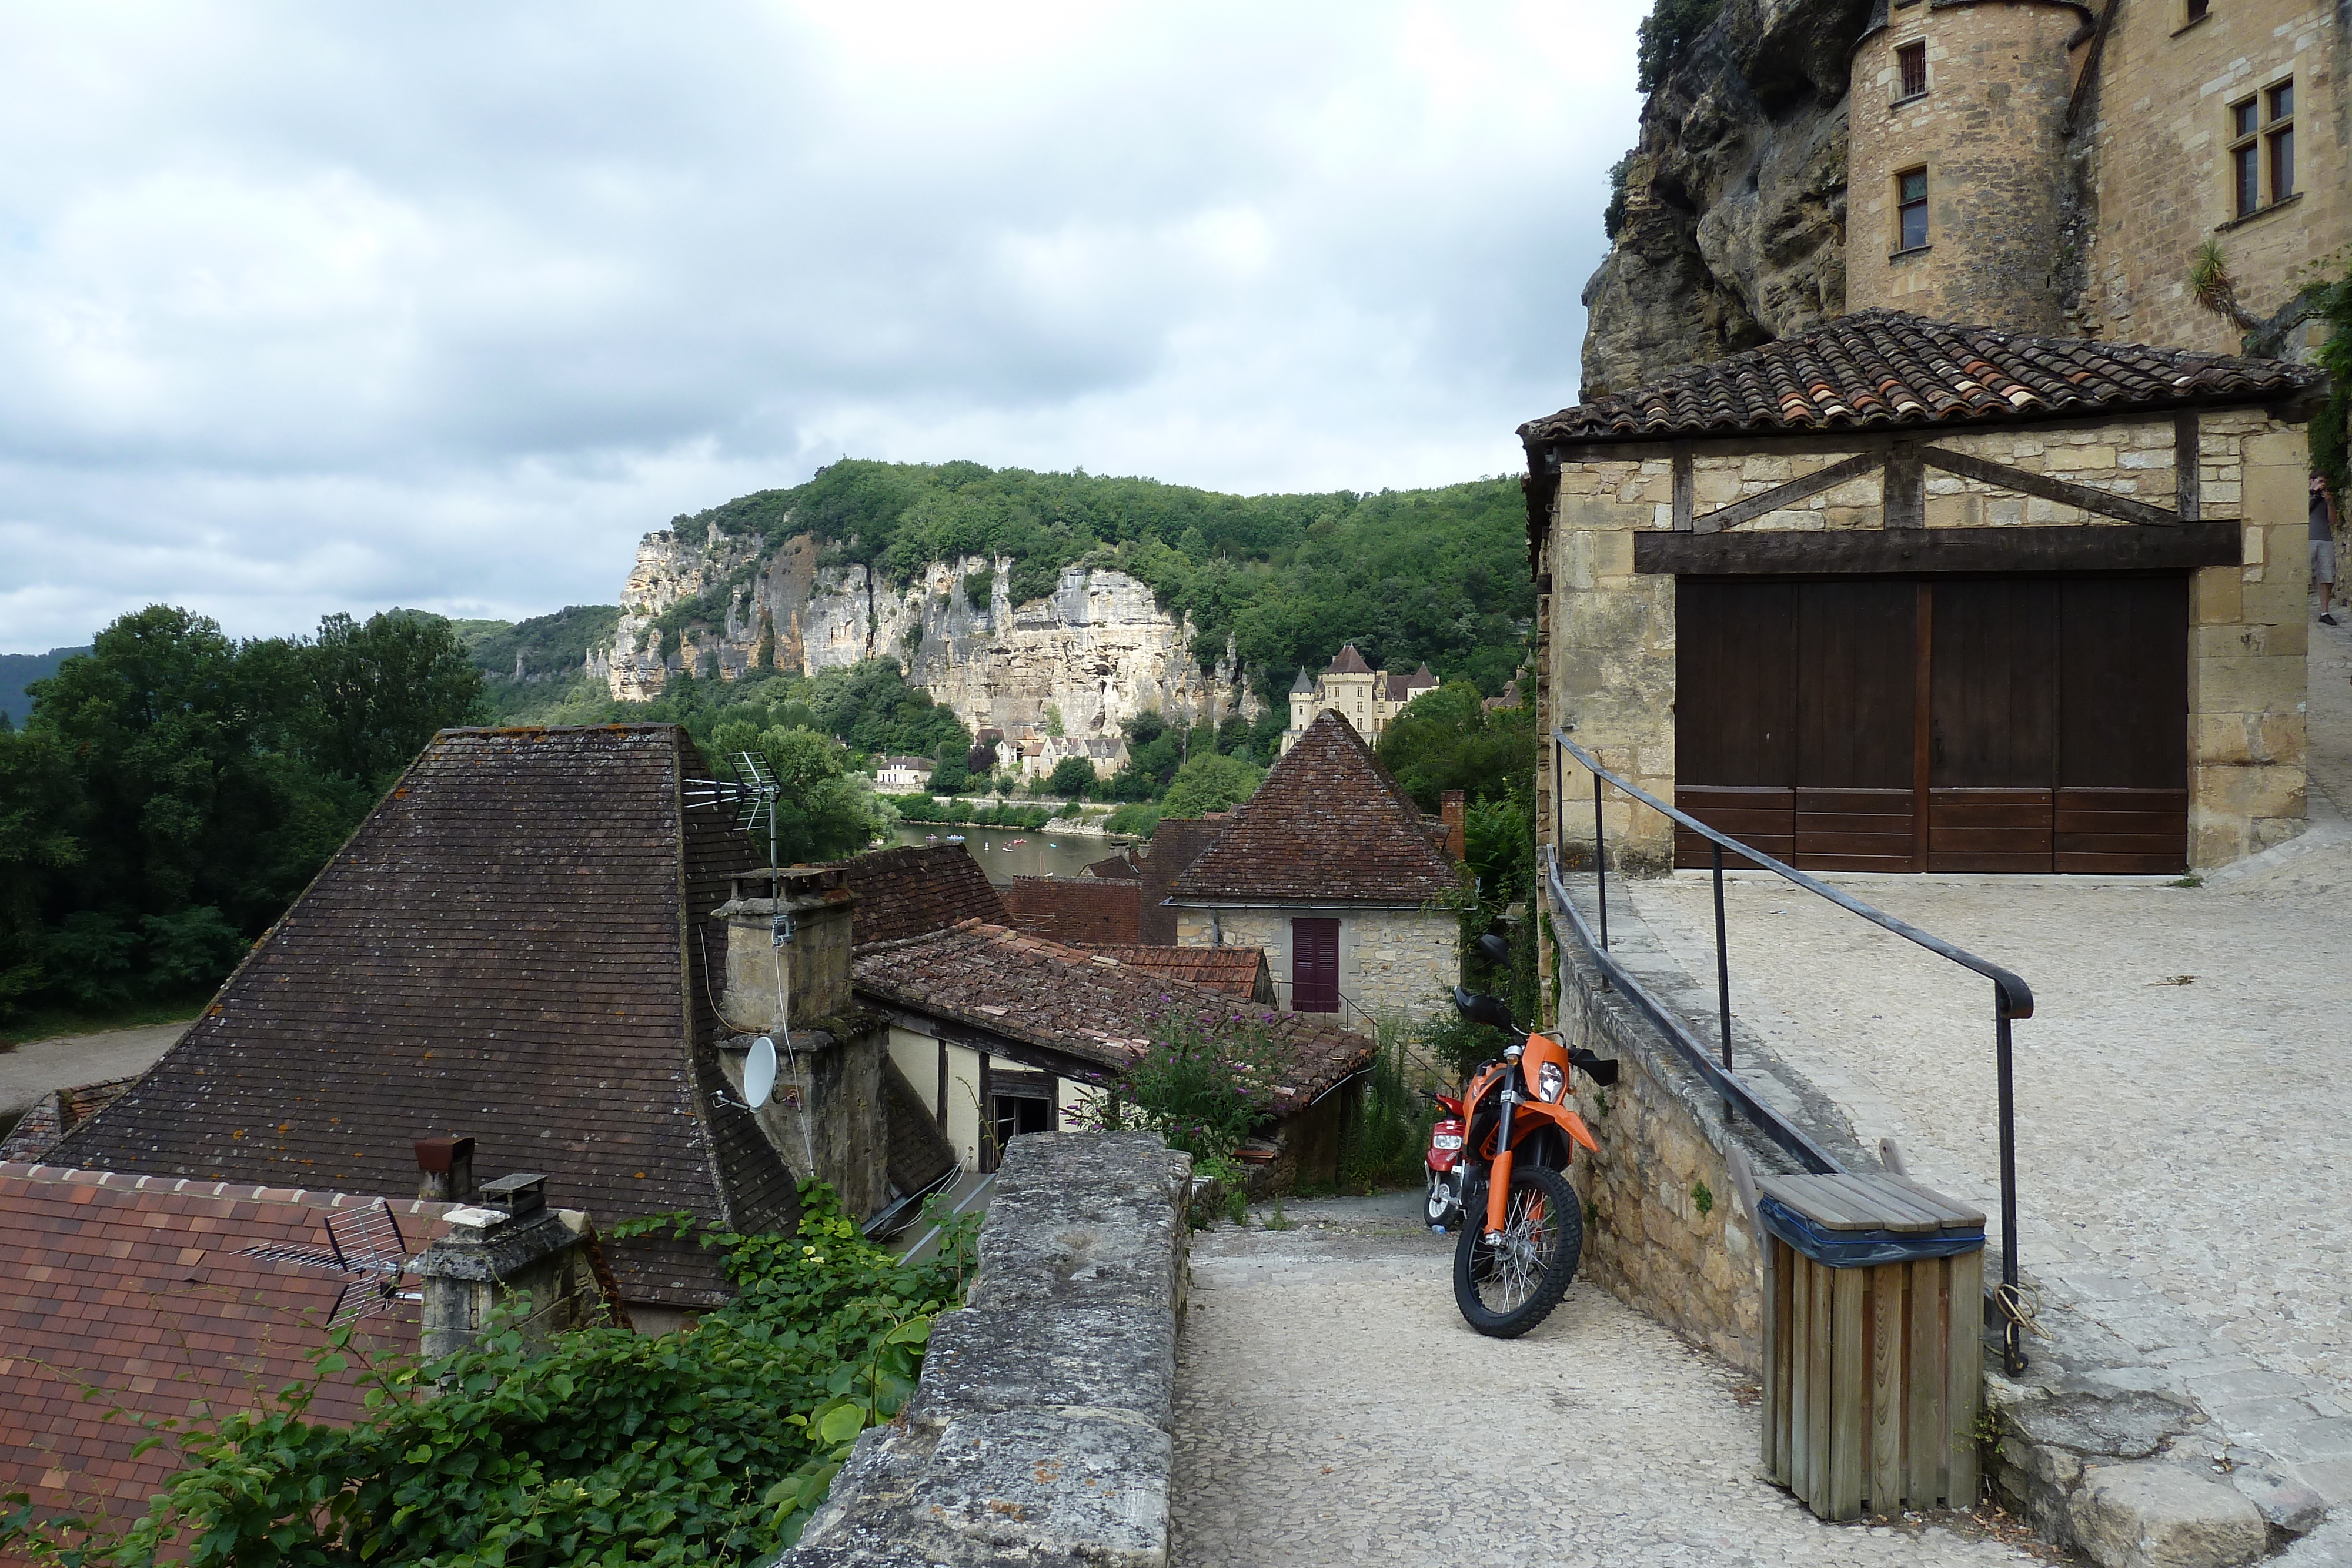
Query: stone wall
x=1987 y=133
x=1609 y=636
x=1394 y=963
x=825 y=1116
x=1042 y=1429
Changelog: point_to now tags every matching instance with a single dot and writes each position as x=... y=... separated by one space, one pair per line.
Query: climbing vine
x=711 y=1445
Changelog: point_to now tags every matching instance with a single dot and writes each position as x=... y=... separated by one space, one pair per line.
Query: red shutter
x=1315 y=966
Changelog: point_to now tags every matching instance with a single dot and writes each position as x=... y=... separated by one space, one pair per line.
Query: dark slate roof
x=1302 y=684
x=1348 y=663
x=1028 y=989
x=55 y=1114
x=1118 y=867
x=1888 y=368
x=138 y=1285
x=506 y=948
x=1328 y=826
x=915 y=888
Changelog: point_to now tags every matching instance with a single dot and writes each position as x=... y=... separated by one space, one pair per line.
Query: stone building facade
x=1972 y=475
x=1369 y=697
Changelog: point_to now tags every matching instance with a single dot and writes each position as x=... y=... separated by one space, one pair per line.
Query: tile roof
x=1118 y=866
x=58 y=1112
x=915 y=888
x=1348 y=663
x=1328 y=826
x=1239 y=970
x=135 y=1284
x=1888 y=368
x=1085 y=910
x=512 y=946
x=1175 y=844
x=1083 y=1005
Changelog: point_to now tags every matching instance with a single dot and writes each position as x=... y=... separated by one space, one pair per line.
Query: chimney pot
x=449 y=1167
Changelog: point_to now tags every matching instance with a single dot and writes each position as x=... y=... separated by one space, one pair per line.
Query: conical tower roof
x=1302 y=686
x=1329 y=825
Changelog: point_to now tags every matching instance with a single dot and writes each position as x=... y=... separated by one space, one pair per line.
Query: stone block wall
x=2158 y=180
x=1987 y=132
x=826 y=1107
x=1400 y=963
x=1042 y=1429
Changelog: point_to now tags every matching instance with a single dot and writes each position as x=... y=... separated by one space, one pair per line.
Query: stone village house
x=1331 y=869
x=1899 y=595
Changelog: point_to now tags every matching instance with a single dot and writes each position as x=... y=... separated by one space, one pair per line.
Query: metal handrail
x=2012 y=998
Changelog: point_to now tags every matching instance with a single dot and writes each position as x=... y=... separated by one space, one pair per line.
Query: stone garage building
x=1334 y=872
x=1901 y=595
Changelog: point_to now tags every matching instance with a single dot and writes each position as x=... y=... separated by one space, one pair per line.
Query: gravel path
x=1333 y=1409
x=2184 y=1088
x=31 y=1070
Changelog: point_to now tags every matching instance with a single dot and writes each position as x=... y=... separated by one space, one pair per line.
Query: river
x=1042 y=855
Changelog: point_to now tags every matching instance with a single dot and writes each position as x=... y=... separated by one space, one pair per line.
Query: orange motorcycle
x=1497 y=1168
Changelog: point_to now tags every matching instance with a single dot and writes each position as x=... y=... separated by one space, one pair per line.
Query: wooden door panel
x=1765 y=818
x=2123 y=683
x=1993 y=708
x=1858 y=657
x=2122 y=831
x=1854 y=829
x=1736 y=683
x=1990 y=829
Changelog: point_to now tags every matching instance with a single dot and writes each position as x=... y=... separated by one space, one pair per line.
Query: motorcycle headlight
x=1550 y=1080
x=1445 y=1141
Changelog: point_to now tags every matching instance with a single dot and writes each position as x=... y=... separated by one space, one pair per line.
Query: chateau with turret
x=2160 y=172
x=1367 y=697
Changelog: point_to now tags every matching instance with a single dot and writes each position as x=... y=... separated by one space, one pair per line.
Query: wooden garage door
x=1955 y=724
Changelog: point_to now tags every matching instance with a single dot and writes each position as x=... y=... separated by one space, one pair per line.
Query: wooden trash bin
x=1873 y=1324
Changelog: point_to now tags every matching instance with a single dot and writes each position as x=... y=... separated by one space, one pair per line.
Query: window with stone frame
x=1911 y=210
x=2261 y=149
x=1911 y=62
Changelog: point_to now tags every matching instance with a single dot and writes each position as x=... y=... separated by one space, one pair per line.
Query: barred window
x=1913 y=59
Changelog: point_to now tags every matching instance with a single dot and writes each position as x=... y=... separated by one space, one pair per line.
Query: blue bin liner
x=1860 y=1249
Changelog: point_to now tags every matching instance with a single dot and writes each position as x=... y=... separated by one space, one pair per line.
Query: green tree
x=1209 y=782
x=1073 y=779
x=823 y=812
x=40 y=813
x=950 y=770
x=1445 y=740
x=378 y=691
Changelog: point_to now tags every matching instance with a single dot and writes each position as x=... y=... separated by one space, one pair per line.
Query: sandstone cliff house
x=513 y=946
x=2043 y=166
x=1896 y=595
x=1331 y=869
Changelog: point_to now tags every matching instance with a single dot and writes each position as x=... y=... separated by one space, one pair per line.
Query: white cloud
x=320 y=308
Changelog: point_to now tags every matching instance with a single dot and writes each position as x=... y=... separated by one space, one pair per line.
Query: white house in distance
x=1369 y=697
x=903 y=773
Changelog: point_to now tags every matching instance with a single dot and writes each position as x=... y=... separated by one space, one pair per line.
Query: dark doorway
x=2009 y=723
x=1315 y=966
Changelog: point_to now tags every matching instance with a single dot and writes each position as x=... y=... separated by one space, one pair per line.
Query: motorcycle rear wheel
x=1505 y=1290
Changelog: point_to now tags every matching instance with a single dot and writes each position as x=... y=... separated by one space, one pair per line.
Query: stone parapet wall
x=1042 y=1429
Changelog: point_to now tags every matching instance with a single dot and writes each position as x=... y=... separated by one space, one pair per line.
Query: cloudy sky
x=314 y=307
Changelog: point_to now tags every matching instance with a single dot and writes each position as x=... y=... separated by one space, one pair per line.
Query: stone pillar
x=815 y=910
x=511 y=1249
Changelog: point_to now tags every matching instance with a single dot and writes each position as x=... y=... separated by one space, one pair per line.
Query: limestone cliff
x=1734 y=230
x=1097 y=649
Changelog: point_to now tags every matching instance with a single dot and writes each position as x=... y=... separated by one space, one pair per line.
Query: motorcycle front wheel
x=1504 y=1289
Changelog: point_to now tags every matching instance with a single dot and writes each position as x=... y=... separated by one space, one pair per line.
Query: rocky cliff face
x=1099 y=650
x=1735 y=198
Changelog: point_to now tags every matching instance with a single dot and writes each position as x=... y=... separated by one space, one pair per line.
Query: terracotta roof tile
x=1093 y=1008
x=89 y=1294
x=1239 y=970
x=1888 y=368
x=505 y=948
x=1085 y=910
x=1328 y=826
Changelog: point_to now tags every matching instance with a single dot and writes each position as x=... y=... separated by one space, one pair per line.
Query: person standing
x=2323 y=547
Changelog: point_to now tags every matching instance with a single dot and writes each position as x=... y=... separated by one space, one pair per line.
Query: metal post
x=2012 y=1341
x=1600 y=861
x=1722 y=957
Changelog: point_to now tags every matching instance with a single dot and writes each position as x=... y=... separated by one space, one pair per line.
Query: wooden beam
x=988 y=1042
x=1906 y=552
x=1787 y=495
x=1906 y=491
x=2049 y=489
x=2186 y=476
x=1682 y=461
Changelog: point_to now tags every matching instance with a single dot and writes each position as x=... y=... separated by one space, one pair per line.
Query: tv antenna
x=367 y=1248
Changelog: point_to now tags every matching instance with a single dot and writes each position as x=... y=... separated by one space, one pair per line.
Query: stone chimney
x=449 y=1167
x=1457 y=834
x=809 y=928
x=510 y=1248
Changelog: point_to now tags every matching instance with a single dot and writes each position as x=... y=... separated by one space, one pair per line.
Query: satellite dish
x=760 y=1073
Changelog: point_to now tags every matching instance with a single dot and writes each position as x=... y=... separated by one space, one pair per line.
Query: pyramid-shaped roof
x=511 y=947
x=1302 y=684
x=1328 y=826
x=1348 y=663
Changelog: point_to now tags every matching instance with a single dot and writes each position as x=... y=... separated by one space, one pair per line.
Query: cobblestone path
x=1333 y=1409
x=2184 y=1088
